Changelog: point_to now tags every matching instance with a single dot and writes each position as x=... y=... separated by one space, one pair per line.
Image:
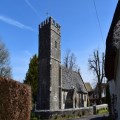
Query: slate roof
x=112 y=42
x=72 y=80
x=88 y=87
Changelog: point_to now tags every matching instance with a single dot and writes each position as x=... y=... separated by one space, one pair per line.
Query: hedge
x=15 y=100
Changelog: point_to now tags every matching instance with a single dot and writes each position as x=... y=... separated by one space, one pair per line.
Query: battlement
x=50 y=21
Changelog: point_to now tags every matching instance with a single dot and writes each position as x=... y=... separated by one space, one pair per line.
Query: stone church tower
x=49 y=65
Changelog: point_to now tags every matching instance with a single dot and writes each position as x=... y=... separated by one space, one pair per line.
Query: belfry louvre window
x=55 y=44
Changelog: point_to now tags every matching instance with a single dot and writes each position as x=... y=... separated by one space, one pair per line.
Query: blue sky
x=19 y=20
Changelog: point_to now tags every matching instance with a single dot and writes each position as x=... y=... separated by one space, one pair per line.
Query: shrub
x=15 y=100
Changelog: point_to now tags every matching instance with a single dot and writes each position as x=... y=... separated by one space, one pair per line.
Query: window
x=84 y=97
x=55 y=44
x=63 y=97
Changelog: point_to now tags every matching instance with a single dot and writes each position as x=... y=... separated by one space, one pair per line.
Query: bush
x=15 y=100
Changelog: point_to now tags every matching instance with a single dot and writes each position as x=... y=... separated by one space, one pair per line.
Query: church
x=59 y=87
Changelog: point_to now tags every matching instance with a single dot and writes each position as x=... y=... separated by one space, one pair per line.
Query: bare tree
x=5 y=69
x=66 y=59
x=69 y=61
x=97 y=66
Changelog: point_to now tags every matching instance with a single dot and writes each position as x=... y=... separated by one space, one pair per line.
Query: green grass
x=102 y=111
x=34 y=118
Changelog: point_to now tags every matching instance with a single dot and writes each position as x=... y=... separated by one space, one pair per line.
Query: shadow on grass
x=100 y=118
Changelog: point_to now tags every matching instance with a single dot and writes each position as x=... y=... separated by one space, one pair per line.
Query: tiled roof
x=88 y=87
x=72 y=80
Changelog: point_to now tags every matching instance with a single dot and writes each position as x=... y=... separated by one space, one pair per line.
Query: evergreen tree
x=32 y=76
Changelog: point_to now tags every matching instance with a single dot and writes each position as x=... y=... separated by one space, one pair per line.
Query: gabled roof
x=72 y=80
x=88 y=87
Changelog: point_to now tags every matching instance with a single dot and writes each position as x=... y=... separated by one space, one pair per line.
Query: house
x=112 y=63
x=90 y=93
x=103 y=93
x=93 y=96
x=59 y=87
x=88 y=87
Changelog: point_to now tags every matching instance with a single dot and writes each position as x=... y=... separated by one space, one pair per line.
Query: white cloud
x=29 y=4
x=15 y=23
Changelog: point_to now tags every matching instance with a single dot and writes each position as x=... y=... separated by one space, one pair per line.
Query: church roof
x=72 y=80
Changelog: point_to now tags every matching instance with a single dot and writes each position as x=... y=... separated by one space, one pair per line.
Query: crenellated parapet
x=49 y=21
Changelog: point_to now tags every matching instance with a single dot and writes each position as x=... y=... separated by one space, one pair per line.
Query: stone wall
x=105 y=106
x=47 y=114
x=85 y=100
x=43 y=98
x=77 y=112
x=55 y=56
x=15 y=100
x=54 y=95
x=116 y=99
